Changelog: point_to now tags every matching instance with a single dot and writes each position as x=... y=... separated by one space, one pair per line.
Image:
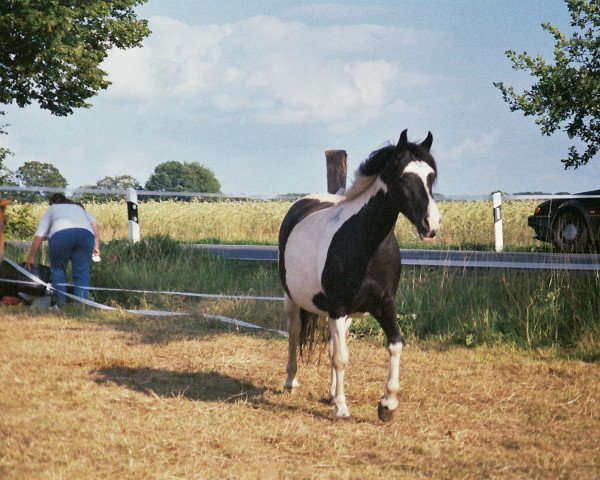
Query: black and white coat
x=338 y=256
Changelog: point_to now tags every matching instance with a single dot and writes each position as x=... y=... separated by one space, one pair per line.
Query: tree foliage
x=567 y=93
x=183 y=177
x=51 y=49
x=6 y=176
x=120 y=182
x=38 y=174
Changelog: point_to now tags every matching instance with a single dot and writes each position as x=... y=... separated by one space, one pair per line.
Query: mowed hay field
x=465 y=223
x=98 y=395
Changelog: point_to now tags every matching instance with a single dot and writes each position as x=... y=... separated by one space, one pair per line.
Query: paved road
x=442 y=258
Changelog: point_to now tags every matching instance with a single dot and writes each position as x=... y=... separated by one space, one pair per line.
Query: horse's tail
x=314 y=329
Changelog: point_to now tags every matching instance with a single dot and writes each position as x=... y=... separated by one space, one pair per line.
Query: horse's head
x=409 y=174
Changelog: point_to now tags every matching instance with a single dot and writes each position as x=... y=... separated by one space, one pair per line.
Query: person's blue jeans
x=76 y=245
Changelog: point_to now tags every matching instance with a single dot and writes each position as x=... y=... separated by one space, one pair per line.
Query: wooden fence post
x=337 y=166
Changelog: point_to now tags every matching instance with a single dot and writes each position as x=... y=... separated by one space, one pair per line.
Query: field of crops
x=466 y=224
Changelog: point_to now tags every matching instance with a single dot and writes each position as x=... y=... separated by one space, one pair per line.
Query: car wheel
x=571 y=233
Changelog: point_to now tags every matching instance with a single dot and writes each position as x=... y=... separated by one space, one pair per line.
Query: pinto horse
x=339 y=257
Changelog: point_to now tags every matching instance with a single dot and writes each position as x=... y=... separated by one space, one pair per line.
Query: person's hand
x=28 y=265
x=96 y=252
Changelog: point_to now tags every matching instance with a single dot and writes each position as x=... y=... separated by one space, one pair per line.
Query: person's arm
x=41 y=232
x=96 y=238
x=35 y=247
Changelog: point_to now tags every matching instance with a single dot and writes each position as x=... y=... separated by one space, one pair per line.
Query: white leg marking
x=392 y=387
x=332 y=387
x=293 y=317
x=339 y=360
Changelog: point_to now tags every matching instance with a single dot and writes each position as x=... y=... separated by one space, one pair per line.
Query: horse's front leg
x=389 y=402
x=292 y=312
x=339 y=359
x=332 y=385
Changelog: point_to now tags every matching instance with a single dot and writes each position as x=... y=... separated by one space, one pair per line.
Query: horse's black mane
x=368 y=170
x=377 y=159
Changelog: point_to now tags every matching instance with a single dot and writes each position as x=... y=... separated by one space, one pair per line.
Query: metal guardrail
x=436 y=258
x=440 y=258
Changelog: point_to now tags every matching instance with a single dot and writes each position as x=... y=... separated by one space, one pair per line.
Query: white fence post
x=498 y=235
x=132 y=216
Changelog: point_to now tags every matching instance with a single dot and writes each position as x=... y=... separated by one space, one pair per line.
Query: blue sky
x=257 y=91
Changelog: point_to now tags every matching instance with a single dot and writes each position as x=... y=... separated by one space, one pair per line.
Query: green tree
x=52 y=49
x=183 y=177
x=120 y=182
x=6 y=176
x=567 y=93
x=38 y=174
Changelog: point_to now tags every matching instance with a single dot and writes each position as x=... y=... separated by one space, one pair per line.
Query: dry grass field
x=95 y=396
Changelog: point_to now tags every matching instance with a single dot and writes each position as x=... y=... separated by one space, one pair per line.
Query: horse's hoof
x=290 y=386
x=341 y=412
x=346 y=418
x=384 y=413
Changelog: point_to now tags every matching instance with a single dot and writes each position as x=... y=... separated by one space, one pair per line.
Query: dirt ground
x=124 y=397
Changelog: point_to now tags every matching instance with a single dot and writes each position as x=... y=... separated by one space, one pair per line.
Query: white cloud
x=474 y=146
x=271 y=70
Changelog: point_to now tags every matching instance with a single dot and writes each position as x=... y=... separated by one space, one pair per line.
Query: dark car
x=571 y=224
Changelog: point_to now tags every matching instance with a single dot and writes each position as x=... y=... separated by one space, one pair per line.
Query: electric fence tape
x=34 y=280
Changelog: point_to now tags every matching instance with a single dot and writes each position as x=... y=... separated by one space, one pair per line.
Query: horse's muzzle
x=428 y=236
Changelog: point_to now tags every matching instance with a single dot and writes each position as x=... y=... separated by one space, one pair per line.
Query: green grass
x=533 y=309
x=536 y=309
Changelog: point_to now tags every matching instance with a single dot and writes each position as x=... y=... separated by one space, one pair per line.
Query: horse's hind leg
x=292 y=312
x=387 y=319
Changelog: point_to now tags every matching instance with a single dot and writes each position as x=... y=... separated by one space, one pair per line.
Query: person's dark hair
x=58 y=198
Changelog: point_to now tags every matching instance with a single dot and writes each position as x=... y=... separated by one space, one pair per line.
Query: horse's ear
x=403 y=142
x=428 y=141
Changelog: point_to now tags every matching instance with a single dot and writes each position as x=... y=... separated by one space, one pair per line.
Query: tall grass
x=525 y=309
x=466 y=224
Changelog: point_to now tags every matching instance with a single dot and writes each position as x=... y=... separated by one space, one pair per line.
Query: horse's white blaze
x=423 y=170
x=313 y=235
x=392 y=386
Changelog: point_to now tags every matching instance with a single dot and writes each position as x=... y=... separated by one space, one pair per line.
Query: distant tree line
x=171 y=176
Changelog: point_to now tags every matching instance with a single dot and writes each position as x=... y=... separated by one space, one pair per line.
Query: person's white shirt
x=61 y=216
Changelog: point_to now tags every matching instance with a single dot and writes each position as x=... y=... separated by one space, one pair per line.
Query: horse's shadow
x=201 y=386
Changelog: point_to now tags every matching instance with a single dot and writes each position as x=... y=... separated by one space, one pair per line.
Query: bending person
x=72 y=235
